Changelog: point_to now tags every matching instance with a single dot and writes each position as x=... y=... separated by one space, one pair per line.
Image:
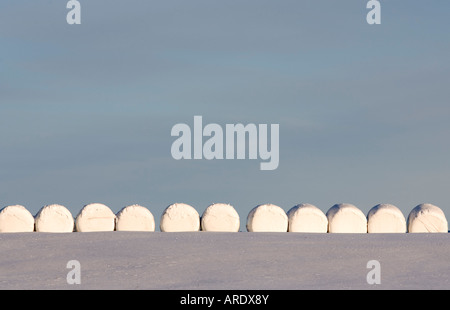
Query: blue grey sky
x=86 y=110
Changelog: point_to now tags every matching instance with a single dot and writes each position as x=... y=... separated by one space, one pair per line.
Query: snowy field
x=229 y=261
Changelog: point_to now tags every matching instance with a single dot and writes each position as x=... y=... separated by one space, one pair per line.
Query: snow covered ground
x=216 y=260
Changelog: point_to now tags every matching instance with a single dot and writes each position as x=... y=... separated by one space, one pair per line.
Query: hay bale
x=16 y=218
x=135 y=218
x=267 y=217
x=385 y=218
x=180 y=217
x=346 y=218
x=427 y=218
x=308 y=218
x=220 y=217
x=95 y=217
x=54 y=218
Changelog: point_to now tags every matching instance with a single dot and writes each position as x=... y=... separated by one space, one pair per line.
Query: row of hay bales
x=340 y=218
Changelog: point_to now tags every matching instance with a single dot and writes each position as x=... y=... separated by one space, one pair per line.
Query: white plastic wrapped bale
x=307 y=218
x=135 y=218
x=220 y=217
x=385 y=218
x=54 y=218
x=16 y=219
x=95 y=217
x=346 y=218
x=427 y=218
x=268 y=218
x=180 y=217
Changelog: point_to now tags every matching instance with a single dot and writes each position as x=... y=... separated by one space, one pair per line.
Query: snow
x=427 y=218
x=268 y=218
x=54 y=218
x=306 y=217
x=346 y=218
x=385 y=218
x=16 y=218
x=180 y=217
x=220 y=217
x=223 y=260
x=135 y=218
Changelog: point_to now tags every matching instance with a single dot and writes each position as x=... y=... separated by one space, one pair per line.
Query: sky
x=86 y=111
